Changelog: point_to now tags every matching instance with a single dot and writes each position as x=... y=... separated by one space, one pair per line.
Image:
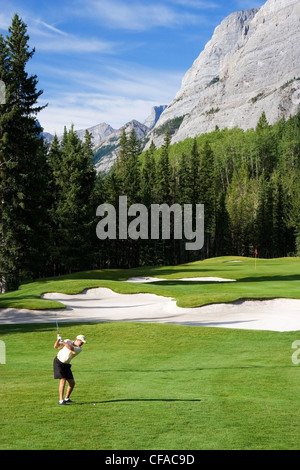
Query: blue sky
x=112 y=60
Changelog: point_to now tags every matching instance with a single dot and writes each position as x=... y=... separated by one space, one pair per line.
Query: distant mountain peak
x=152 y=119
x=106 y=139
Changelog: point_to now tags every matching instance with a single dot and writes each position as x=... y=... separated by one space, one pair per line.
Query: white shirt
x=65 y=355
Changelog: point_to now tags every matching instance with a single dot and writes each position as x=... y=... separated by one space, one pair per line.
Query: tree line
x=248 y=181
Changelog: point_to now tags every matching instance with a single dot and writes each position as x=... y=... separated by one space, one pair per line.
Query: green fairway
x=154 y=387
x=269 y=279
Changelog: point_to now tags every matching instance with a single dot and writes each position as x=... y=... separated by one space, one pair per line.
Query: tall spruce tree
x=73 y=212
x=23 y=166
x=194 y=169
x=132 y=170
x=163 y=177
x=148 y=177
x=241 y=203
x=207 y=195
x=54 y=159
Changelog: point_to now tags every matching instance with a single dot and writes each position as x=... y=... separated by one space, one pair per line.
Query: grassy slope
x=272 y=278
x=155 y=387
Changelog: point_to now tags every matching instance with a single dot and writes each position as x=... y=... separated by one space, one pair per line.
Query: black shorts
x=61 y=370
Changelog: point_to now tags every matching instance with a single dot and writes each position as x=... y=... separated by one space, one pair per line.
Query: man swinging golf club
x=68 y=349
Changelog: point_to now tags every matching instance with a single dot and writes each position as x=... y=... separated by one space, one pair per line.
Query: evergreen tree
x=280 y=232
x=22 y=163
x=265 y=147
x=264 y=219
x=241 y=203
x=132 y=177
x=194 y=171
x=111 y=190
x=184 y=181
x=148 y=173
x=148 y=178
x=54 y=159
x=163 y=176
x=121 y=162
x=74 y=212
x=207 y=195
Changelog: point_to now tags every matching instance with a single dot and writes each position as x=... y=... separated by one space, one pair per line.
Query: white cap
x=82 y=338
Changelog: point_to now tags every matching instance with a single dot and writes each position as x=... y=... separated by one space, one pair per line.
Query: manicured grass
x=271 y=279
x=160 y=387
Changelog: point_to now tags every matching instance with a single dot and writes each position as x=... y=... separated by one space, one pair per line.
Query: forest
x=248 y=181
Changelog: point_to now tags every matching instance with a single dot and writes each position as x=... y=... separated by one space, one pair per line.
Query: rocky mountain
x=154 y=116
x=99 y=133
x=251 y=65
x=107 y=152
x=106 y=139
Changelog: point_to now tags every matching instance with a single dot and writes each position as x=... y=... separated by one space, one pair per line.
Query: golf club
x=56 y=321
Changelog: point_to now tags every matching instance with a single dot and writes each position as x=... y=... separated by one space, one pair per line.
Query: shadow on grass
x=135 y=400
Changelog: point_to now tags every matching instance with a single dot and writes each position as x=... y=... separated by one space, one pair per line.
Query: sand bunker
x=105 y=305
x=144 y=280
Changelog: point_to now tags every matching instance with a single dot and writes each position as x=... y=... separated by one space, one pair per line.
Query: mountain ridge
x=106 y=138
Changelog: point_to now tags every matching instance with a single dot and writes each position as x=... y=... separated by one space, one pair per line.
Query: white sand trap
x=104 y=305
x=144 y=280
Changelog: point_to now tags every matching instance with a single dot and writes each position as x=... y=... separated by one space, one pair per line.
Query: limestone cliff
x=251 y=65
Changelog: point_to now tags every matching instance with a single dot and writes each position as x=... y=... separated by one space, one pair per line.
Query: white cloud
x=75 y=44
x=132 y=80
x=5 y=21
x=196 y=4
x=51 y=39
x=92 y=110
x=52 y=28
x=135 y=15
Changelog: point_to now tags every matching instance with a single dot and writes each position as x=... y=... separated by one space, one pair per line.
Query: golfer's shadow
x=126 y=400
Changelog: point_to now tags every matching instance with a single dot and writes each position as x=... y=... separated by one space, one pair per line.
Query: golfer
x=62 y=367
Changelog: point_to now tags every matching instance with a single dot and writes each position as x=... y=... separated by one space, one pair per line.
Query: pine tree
x=148 y=173
x=148 y=178
x=241 y=204
x=22 y=163
x=207 y=195
x=264 y=219
x=266 y=146
x=279 y=244
x=184 y=180
x=121 y=162
x=74 y=214
x=54 y=159
x=194 y=165
x=262 y=124
x=132 y=178
x=163 y=177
